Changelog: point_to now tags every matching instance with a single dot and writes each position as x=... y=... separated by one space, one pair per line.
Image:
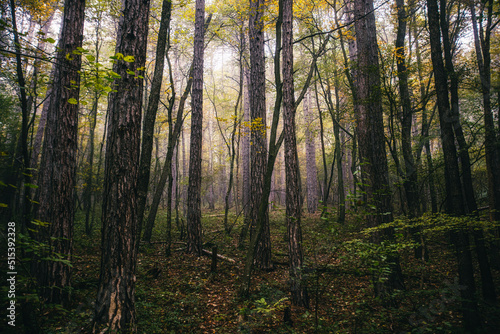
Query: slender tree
x=194 y=245
x=150 y=115
x=311 y=169
x=410 y=181
x=482 y=41
x=455 y=203
x=293 y=186
x=57 y=176
x=115 y=302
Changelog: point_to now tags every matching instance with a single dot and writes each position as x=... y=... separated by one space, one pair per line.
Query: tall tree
x=293 y=186
x=258 y=128
x=58 y=163
x=115 y=303
x=311 y=169
x=482 y=41
x=371 y=138
x=150 y=115
x=455 y=203
x=194 y=189
x=410 y=181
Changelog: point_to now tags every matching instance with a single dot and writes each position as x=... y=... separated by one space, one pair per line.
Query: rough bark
x=57 y=177
x=115 y=302
x=371 y=138
x=258 y=137
x=194 y=245
x=293 y=187
x=150 y=115
x=455 y=204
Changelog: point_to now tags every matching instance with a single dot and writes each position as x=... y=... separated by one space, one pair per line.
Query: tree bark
x=57 y=177
x=258 y=137
x=491 y=144
x=410 y=181
x=194 y=234
x=311 y=169
x=150 y=115
x=455 y=204
x=115 y=302
x=293 y=187
x=371 y=138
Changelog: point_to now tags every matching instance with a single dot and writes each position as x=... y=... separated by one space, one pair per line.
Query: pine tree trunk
x=58 y=163
x=258 y=149
x=194 y=245
x=115 y=302
x=371 y=136
x=293 y=187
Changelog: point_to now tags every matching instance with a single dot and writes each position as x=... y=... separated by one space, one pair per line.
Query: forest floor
x=179 y=294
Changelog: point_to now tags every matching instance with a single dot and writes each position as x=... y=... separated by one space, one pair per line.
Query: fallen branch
x=222 y=257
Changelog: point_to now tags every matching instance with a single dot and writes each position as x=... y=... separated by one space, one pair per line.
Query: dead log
x=222 y=257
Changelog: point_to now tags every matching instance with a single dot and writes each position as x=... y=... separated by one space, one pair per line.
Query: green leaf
x=72 y=101
x=114 y=74
x=3 y=205
x=129 y=59
x=90 y=58
x=130 y=72
x=49 y=40
x=30 y=185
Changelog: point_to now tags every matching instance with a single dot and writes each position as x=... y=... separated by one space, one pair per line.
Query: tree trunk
x=150 y=115
x=455 y=204
x=293 y=187
x=258 y=149
x=311 y=169
x=410 y=181
x=338 y=152
x=245 y=148
x=371 y=137
x=194 y=234
x=57 y=177
x=115 y=302
x=491 y=145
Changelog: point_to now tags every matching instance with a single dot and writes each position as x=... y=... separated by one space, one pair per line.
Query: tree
x=410 y=181
x=115 y=302
x=455 y=204
x=258 y=130
x=293 y=187
x=371 y=138
x=482 y=40
x=150 y=115
x=311 y=169
x=194 y=245
x=57 y=176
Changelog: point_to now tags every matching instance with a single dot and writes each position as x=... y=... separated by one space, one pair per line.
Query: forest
x=253 y=166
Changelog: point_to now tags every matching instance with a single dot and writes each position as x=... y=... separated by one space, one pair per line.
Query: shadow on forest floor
x=178 y=294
